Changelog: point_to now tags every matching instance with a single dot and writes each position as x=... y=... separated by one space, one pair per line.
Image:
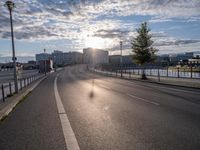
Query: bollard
x=3 y=94
x=191 y=72
x=10 y=89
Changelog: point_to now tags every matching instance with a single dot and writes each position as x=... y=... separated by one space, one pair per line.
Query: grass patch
x=3 y=118
x=21 y=100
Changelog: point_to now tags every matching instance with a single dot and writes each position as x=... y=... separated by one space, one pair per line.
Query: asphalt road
x=105 y=114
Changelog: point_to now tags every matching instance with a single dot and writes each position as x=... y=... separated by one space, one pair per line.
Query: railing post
x=191 y=72
x=178 y=72
x=24 y=82
x=167 y=72
x=3 y=94
x=10 y=89
x=121 y=73
x=158 y=75
x=20 y=84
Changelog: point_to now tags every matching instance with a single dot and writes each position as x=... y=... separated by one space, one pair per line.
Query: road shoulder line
x=70 y=139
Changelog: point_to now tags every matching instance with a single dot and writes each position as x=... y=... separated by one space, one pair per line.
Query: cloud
x=45 y=13
x=176 y=42
x=114 y=33
x=76 y=20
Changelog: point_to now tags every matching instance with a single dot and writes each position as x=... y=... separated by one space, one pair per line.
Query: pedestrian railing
x=157 y=72
x=129 y=73
x=8 y=89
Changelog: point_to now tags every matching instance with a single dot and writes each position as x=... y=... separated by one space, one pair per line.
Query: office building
x=95 y=56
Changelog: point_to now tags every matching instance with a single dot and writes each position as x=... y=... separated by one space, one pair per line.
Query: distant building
x=59 y=58
x=95 y=56
x=45 y=65
x=77 y=57
x=186 y=56
x=44 y=62
x=62 y=59
x=177 y=58
x=43 y=56
x=115 y=59
x=30 y=65
x=194 y=61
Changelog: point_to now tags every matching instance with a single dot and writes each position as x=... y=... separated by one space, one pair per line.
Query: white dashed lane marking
x=142 y=99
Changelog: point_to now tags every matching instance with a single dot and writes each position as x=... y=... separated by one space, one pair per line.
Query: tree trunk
x=143 y=77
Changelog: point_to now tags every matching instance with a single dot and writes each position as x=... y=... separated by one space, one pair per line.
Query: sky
x=71 y=25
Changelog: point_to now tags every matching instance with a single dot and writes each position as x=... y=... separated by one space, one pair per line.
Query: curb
x=8 y=109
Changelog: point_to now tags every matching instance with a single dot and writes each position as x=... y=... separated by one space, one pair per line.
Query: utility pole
x=45 y=65
x=10 y=5
x=121 y=61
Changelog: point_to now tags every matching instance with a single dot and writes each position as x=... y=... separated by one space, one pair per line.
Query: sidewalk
x=10 y=103
x=185 y=82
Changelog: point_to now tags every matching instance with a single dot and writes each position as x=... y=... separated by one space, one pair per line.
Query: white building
x=43 y=56
x=62 y=59
x=95 y=56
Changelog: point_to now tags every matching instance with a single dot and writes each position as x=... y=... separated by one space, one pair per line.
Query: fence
x=158 y=72
x=8 y=89
x=190 y=72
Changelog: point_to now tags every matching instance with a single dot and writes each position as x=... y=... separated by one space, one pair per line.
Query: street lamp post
x=45 y=65
x=10 y=5
x=121 y=62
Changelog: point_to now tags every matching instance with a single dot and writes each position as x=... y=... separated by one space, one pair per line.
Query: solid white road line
x=142 y=99
x=70 y=139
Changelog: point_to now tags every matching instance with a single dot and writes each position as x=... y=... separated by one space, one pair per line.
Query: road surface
x=75 y=109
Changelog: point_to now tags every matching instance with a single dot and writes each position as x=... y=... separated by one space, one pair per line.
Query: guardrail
x=8 y=89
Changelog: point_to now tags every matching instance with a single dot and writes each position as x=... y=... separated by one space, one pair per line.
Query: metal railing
x=8 y=89
x=189 y=72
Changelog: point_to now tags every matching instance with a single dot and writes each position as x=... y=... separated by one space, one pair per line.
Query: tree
x=142 y=49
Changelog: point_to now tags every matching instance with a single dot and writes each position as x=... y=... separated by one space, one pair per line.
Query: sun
x=95 y=42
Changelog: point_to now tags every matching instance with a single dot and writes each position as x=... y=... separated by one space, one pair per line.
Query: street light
x=45 y=65
x=121 y=62
x=10 y=5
